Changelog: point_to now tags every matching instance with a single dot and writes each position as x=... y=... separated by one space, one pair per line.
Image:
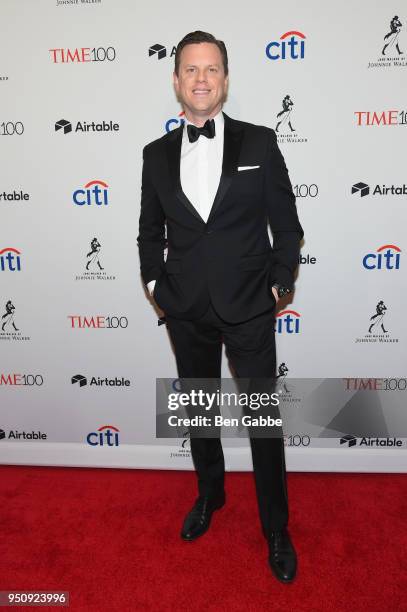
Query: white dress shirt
x=200 y=170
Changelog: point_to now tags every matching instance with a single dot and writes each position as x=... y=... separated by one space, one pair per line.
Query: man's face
x=201 y=83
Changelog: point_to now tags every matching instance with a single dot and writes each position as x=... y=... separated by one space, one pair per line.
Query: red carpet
x=111 y=538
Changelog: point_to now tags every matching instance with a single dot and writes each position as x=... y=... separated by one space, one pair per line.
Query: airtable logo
x=369 y=442
x=79 y=378
x=292 y=46
x=160 y=51
x=14 y=196
x=97 y=381
x=92 y=194
x=387 y=257
x=86 y=126
x=383 y=190
x=64 y=125
x=10 y=260
x=288 y=321
x=361 y=188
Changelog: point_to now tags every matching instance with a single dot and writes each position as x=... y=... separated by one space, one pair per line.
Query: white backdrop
x=67 y=64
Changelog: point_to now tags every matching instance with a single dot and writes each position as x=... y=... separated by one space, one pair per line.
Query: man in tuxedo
x=209 y=189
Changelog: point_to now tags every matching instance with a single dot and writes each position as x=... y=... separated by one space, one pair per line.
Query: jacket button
x=209 y=232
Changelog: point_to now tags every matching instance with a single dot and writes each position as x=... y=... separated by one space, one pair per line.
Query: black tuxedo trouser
x=250 y=348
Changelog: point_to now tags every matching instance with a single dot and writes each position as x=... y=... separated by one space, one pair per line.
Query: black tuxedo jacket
x=228 y=260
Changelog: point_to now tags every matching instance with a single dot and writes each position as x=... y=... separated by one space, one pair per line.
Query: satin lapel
x=232 y=142
x=173 y=147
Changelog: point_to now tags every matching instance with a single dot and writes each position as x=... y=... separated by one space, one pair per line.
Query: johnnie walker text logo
x=184 y=449
x=283 y=386
x=77 y=2
x=391 y=53
x=93 y=268
x=378 y=327
x=285 y=124
x=8 y=325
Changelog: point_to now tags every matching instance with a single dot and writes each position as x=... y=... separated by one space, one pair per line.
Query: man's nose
x=201 y=76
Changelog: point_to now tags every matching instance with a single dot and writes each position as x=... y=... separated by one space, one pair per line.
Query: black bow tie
x=208 y=130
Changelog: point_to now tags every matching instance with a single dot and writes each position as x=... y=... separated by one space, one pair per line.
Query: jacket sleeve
x=282 y=215
x=151 y=239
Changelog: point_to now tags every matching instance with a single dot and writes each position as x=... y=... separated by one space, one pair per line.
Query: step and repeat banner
x=84 y=86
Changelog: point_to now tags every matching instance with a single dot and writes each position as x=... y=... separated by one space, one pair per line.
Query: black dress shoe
x=198 y=519
x=282 y=556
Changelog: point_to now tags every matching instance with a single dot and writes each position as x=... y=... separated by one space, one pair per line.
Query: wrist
x=281 y=290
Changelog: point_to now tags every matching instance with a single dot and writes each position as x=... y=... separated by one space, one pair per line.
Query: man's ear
x=175 y=83
x=175 y=80
x=226 y=86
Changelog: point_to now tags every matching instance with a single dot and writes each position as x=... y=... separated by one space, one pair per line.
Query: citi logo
x=94 y=192
x=82 y=55
x=97 y=381
x=290 y=46
x=173 y=123
x=386 y=257
x=84 y=126
x=107 y=435
x=363 y=189
x=10 y=260
x=159 y=51
x=288 y=321
x=388 y=117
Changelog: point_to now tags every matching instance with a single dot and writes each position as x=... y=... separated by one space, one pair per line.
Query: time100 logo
x=9 y=128
x=306 y=191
